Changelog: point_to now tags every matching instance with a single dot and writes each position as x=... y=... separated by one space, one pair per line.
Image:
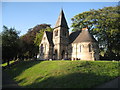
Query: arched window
x=45 y=48
x=44 y=38
x=80 y=48
x=90 y=47
x=63 y=54
x=56 y=33
x=64 y=33
x=73 y=48
x=41 y=48
x=55 y=56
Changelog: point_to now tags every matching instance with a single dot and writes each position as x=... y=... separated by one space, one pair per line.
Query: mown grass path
x=64 y=74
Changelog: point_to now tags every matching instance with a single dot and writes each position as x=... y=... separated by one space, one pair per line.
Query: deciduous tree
x=30 y=49
x=39 y=36
x=104 y=25
x=10 y=43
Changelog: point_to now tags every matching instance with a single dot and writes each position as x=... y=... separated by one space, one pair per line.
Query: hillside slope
x=64 y=74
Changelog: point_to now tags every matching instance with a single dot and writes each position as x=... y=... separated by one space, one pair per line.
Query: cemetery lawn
x=63 y=74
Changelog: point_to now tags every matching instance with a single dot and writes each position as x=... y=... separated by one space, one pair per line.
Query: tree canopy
x=39 y=35
x=30 y=49
x=31 y=34
x=10 y=43
x=0 y=39
x=104 y=25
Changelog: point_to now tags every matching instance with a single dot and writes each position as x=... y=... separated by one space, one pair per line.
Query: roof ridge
x=84 y=36
x=49 y=36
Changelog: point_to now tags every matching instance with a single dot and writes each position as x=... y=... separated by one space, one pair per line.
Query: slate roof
x=61 y=20
x=49 y=37
x=73 y=36
x=83 y=36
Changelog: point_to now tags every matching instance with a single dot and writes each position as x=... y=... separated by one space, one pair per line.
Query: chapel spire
x=61 y=22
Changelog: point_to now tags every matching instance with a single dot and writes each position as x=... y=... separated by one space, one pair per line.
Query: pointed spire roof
x=61 y=22
x=84 y=36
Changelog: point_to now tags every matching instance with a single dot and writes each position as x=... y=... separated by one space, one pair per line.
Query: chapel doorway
x=56 y=55
x=63 y=54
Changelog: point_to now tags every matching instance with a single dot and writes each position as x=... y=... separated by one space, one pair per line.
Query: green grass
x=64 y=74
x=5 y=64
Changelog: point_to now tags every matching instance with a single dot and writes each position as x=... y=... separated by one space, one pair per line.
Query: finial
x=61 y=8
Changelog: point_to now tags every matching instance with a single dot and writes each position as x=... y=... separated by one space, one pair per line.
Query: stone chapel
x=60 y=44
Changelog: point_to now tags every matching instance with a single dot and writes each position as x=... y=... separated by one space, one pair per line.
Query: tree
x=39 y=36
x=0 y=39
x=0 y=46
x=31 y=34
x=10 y=46
x=28 y=48
x=104 y=25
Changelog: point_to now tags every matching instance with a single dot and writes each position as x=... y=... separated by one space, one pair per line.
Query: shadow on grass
x=71 y=80
x=74 y=80
x=18 y=68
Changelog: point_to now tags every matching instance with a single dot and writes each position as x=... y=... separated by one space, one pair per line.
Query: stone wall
x=44 y=48
x=82 y=51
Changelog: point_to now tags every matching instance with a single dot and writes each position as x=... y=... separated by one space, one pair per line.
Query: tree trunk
x=8 y=63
